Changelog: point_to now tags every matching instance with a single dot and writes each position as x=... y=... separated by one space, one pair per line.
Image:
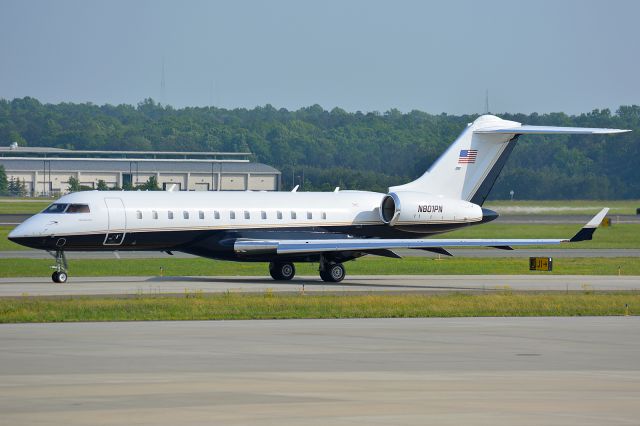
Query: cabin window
x=232 y=215
x=216 y=215
x=279 y=215
x=185 y=214
x=201 y=214
x=247 y=215
x=170 y=215
x=154 y=214
x=309 y=215
x=139 y=214
x=324 y=216
x=293 y=215
x=56 y=208
x=78 y=208
x=263 y=215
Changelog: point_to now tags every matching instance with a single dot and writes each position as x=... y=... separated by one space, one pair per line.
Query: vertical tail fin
x=470 y=166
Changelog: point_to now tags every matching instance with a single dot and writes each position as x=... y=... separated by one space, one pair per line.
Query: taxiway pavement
x=489 y=252
x=91 y=286
x=471 y=371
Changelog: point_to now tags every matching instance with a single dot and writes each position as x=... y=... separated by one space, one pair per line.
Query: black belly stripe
x=218 y=244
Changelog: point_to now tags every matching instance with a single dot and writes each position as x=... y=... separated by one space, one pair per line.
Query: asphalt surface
x=470 y=371
x=84 y=286
x=517 y=253
x=13 y=219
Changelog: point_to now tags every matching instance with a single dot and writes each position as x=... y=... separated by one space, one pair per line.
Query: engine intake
x=389 y=206
x=411 y=209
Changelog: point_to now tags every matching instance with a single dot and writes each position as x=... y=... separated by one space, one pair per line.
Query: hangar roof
x=134 y=165
x=48 y=152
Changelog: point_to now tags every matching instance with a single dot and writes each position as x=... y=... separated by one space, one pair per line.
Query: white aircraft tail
x=469 y=168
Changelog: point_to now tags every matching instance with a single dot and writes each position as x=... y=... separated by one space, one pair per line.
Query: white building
x=46 y=171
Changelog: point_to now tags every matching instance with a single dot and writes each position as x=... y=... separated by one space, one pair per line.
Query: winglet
x=295 y=188
x=587 y=231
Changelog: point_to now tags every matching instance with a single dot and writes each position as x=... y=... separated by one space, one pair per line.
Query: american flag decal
x=467 y=156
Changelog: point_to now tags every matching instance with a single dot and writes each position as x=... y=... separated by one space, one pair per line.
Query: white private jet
x=286 y=227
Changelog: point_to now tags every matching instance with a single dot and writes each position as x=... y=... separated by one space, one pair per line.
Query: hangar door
x=117 y=222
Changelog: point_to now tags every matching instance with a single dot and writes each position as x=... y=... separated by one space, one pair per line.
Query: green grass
x=5 y=244
x=9 y=206
x=575 y=206
x=617 y=236
x=365 y=266
x=233 y=306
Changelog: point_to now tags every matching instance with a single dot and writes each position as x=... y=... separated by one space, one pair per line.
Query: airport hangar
x=46 y=171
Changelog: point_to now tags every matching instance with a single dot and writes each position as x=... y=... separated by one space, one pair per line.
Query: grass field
x=563 y=206
x=365 y=266
x=617 y=236
x=5 y=244
x=9 y=206
x=232 y=306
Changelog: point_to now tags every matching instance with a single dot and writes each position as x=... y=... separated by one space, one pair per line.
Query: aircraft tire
x=59 y=277
x=282 y=271
x=333 y=273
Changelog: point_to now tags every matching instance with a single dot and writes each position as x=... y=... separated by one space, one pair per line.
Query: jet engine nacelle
x=408 y=209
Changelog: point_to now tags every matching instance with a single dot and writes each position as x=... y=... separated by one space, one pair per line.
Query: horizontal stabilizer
x=548 y=130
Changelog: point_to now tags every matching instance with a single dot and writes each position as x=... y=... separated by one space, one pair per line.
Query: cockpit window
x=78 y=208
x=67 y=208
x=56 y=208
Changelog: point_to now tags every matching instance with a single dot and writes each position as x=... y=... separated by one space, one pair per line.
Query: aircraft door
x=117 y=222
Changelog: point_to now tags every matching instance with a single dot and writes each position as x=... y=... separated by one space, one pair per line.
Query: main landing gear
x=60 y=273
x=332 y=272
x=329 y=271
x=282 y=271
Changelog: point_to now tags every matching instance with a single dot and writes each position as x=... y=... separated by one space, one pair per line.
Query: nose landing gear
x=60 y=273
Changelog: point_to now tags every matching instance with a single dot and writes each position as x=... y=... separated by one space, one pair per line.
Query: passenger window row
x=232 y=215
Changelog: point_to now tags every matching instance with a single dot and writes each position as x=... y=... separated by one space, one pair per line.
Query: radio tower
x=162 y=85
x=486 y=102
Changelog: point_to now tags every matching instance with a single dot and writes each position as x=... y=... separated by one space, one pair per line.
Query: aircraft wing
x=285 y=247
x=550 y=130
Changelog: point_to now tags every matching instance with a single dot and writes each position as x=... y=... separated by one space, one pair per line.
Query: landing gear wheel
x=333 y=273
x=59 y=277
x=60 y=274
x=282 y=271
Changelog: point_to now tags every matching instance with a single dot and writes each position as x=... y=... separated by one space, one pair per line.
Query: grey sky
x=541 y=56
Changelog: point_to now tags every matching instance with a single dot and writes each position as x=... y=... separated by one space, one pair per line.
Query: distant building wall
x=50 y=175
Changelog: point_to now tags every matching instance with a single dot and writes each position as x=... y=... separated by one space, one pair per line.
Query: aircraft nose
x=28 y=234
x=16 y=233
x=488 y=215
x=19 y=235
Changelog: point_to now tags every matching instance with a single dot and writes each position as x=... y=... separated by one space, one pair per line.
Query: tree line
x=321 y=149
